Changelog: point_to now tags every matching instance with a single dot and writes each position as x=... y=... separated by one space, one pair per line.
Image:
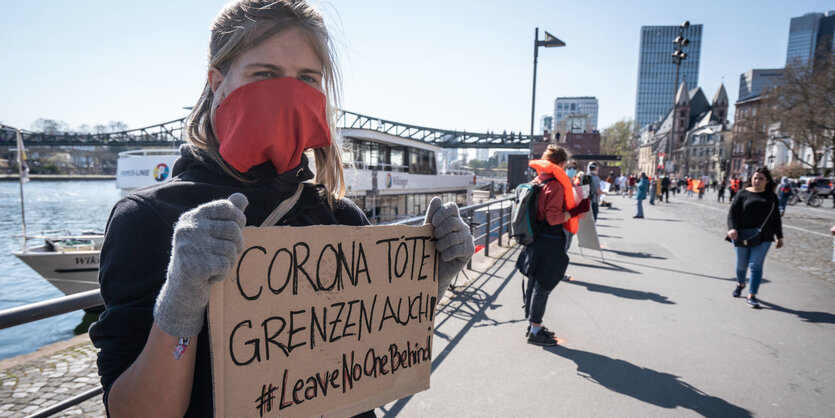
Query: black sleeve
x=735 y=212
x=134 y=259
x=348 y=213
x=776 y=223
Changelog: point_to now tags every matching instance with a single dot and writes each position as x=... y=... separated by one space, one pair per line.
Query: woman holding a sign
x=268 y=100
x=754 y=222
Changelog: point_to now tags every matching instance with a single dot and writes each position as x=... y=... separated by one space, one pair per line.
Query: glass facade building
x=806 y=33
x=657 y=71
x=753 y=83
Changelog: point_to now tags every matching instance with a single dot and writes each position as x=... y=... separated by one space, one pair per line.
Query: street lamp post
x=678 y=56
x=550 y=41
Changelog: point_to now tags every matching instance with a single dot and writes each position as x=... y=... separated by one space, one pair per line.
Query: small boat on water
x=71 y=262
x=68 y=262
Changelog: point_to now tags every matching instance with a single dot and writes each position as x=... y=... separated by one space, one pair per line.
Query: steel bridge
x=170 y=133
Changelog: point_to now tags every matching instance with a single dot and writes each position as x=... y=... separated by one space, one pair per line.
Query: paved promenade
x=650 y=330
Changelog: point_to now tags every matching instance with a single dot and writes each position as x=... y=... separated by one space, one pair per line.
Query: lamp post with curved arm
x=679 y=43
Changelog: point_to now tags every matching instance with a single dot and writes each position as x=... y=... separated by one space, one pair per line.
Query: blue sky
x=464 y=65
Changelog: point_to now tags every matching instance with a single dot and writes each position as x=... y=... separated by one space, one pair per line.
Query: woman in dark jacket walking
x=268 y=100
x=754 y=216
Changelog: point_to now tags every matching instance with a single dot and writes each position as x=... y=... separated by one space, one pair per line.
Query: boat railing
x=488 y=222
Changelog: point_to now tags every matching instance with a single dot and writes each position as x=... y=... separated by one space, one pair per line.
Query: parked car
x=823 y=185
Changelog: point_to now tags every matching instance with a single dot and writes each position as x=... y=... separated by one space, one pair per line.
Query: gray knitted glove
x=207 y=240
x=454 y=241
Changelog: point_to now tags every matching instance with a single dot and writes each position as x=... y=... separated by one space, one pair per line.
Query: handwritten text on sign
x=324 y=320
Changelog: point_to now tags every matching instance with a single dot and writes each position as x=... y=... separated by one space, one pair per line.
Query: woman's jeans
x=640 y=207
x=752 y=258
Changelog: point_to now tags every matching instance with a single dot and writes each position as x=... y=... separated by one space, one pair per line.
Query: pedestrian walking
x=632 y=181
x=651 y=191
x=622 y=181
x=665 y=188
x=595 y=192
x=734 y=187
x=720 y=195
x=545 y=261
x=753 y=223
x=784 y=193
x=167 y=244
x=643 y=185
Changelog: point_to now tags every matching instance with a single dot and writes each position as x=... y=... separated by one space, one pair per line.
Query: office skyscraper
x=657 y=72
x=807 y=33
x=753 y=83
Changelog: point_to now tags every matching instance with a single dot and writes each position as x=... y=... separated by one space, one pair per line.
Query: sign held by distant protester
x=587 y=233
x=324 y=320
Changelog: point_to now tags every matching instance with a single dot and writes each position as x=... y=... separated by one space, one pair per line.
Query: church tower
x=681 y=114
x=719 y=106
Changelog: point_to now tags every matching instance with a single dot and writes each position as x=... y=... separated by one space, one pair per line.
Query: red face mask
x=272 y=120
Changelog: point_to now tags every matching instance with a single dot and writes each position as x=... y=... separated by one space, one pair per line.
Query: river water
x=71 y=206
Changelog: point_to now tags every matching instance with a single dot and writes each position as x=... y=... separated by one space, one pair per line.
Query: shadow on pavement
x=621 y=292
x=609 y=236
x=661 y=219
x=660 y=389
x=636 y=254
x=470 y=303
x=814 y=317
x=605 y=266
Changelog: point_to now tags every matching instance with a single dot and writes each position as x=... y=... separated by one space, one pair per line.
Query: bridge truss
x=171 y=132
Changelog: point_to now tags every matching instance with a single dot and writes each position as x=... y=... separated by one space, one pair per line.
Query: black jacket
x=137 y=248
x=749 y=210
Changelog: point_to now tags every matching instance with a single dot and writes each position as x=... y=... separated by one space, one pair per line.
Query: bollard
x=487 y=235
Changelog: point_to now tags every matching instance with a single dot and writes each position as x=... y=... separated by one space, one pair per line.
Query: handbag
x=751 y=237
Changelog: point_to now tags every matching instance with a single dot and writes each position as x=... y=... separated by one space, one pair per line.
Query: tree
x=618 y=139
x=49 y=126
x=117 y=126
x=791 y=170
x=804 y=105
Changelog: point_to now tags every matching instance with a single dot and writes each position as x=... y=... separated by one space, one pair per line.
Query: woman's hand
x=207 y=240
x=779 y=243
x=454 y=241
x=732 y=234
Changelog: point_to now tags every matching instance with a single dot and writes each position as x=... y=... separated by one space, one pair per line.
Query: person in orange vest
x=734 y=188
x=545 y=260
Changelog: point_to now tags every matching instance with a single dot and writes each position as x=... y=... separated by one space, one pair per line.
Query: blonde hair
x=242 y=25
x=555 y=154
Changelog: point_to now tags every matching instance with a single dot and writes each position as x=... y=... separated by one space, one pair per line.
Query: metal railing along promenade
x=488 y=221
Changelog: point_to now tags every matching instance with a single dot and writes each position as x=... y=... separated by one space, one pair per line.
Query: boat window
x=421 y=161
x=398 y=159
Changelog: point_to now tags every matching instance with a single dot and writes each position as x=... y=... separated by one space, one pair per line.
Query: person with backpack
x=544 y=260
x=784 y=193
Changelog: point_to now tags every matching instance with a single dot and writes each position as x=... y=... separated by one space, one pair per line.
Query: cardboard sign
x=324 y=320
x=587 y=233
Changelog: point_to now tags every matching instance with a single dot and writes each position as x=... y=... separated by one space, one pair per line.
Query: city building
x=700 y=138
x=753 y=83
x=748 y=150
x=809 y=32
x=546 y=123
x=657 y=72
x=575 y=114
